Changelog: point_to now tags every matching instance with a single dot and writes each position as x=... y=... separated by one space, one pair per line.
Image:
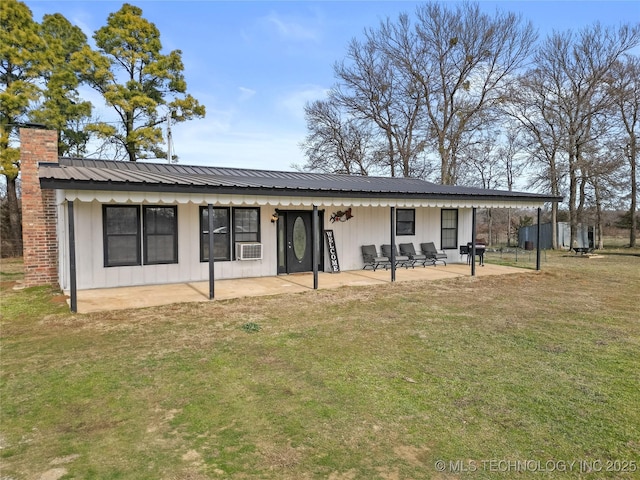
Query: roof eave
x=67 y=184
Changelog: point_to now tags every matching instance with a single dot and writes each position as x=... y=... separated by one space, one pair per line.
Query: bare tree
x=493 y=162
x=510 y=154
x=463 y=61
x=624 y=89
x=372 y=88
x=573 y=69
x=535 y=111
x=429 y=85
x=484 y=169
x=603 y=172
x=336 y=144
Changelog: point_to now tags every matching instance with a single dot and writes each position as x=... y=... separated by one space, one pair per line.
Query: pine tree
x=21 y=58
x=61 y=107
x=139 y=82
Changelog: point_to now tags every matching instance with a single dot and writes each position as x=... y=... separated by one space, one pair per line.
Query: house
x=97 y=223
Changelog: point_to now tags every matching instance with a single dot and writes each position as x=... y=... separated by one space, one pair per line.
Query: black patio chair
x=429 y=249
x=401 y=260
x=372 y=259
x=410 y=251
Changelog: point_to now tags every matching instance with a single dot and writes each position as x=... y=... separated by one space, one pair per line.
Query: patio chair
x=401 y=260
x=410 y=251
x=372 y=259
x=429 y=249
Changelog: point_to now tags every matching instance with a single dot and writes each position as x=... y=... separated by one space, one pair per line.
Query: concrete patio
x=155 y=295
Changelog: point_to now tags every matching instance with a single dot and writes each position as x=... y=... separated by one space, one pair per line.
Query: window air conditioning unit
x=248 y=251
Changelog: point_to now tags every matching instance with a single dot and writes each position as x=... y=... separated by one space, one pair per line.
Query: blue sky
x=254 y=64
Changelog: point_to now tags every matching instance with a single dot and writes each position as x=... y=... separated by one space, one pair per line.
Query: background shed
x=527 y=236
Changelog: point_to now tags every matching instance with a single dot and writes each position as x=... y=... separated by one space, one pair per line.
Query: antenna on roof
x=169 y=139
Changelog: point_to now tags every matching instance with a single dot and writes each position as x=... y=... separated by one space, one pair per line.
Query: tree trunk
x=490 y=226
x=554 y=225
x=444 y=162
x=633 y=152
x=582 y=198
x=555 y=190
x=509 y=227
x=598 y=241
x=573 y=194
x=15 y=217
x=130 y=145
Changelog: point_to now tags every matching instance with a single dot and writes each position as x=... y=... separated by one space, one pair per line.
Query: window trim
x=106 y=235
x=146 y=235
x=413 y=222
x=443 y=245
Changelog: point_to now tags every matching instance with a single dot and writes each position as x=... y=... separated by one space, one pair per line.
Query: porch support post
x=315 y=255
x=473 y=243
x=393 y=242
x=211 y=260
x=538 y=241
x=72 y=258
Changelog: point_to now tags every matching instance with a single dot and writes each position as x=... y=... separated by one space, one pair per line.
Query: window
x=246 y=228
x=125 y=237
x=221 y=237
x=246 y=224
x=121 y=227
x=449 y=229
x=160 y=235
x=405 y=221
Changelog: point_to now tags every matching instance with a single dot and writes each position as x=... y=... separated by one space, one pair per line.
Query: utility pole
x=169 y=140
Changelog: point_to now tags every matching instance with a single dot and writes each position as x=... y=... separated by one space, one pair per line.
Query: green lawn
x=523 y=375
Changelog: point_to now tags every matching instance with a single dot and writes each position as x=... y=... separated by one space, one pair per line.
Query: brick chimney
x=39 y=214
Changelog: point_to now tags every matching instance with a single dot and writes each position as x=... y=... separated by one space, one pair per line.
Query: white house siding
x=63 y=245
x=91 y=272
x=370 y=225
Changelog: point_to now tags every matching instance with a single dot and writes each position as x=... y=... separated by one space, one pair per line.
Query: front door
x=295 y=241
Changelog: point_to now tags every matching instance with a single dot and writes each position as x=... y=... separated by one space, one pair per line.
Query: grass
x=358 y=383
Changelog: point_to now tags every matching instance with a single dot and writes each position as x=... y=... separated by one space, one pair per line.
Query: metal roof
x=91 y=174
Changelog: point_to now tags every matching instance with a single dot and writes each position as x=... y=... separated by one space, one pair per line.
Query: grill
x=480 y=249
